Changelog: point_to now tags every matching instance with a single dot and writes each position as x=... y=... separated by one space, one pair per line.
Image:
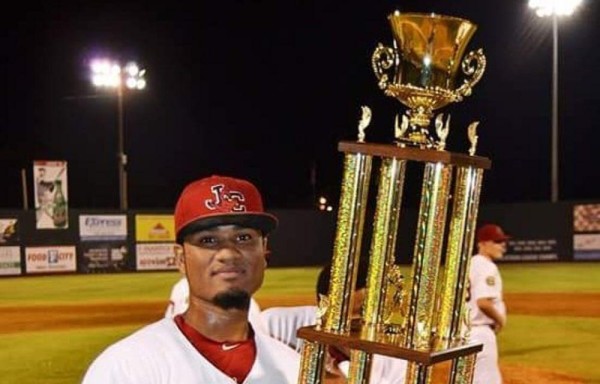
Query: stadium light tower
x=554 y=9
x=106 y=73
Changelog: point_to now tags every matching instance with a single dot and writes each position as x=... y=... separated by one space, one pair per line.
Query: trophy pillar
x=336 y=309
x=426 y=264
x=381 y=259
x=452 y=306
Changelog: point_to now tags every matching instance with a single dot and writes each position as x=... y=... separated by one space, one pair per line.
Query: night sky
x=266 y=89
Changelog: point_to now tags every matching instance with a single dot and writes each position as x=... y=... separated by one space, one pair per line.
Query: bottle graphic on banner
x=44 y=193
x=51 y=194
x=59 y=213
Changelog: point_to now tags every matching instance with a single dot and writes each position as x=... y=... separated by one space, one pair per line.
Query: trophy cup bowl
x=421 y=69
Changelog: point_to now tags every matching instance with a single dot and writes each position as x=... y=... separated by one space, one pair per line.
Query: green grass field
x=562 y=343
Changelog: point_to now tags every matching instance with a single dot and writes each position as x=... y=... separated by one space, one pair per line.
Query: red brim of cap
x=262 y=221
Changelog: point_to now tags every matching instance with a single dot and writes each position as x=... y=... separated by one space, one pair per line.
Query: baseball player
x=282 y=323
x=221 y=230
x=487 y=309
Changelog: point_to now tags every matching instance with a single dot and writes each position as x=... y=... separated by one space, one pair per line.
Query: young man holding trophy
x=221 y=229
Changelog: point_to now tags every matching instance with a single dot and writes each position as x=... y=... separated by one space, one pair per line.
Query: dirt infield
x=26 y=319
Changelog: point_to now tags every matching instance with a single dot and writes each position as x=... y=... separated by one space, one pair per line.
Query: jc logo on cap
x=232 y=201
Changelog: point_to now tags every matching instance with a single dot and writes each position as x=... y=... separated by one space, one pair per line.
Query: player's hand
x=498 y=327
x=332 y=368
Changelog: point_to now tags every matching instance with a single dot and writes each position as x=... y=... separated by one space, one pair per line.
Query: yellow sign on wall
x=158 y=228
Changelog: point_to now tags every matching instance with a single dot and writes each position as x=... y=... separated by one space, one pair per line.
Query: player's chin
x=233 y=298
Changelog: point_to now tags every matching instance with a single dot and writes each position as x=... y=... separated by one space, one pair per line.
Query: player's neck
x=218 y=324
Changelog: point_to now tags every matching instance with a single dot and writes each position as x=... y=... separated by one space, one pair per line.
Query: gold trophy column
x=346 y=253
x=452 y=304
x=454 y=314
x=426 y=262
x=382 y=256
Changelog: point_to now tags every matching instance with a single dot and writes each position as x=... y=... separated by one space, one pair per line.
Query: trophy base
x=384 y=347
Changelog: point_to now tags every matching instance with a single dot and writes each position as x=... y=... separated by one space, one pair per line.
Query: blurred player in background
x=486 y=306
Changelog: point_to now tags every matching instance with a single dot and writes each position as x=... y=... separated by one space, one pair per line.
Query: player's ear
x=179 y=257
x=267 y=250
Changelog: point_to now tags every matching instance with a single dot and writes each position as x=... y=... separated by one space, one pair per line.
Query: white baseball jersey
x=160 y=354
x=283 y=322
x=485 y=282
x=180 y=298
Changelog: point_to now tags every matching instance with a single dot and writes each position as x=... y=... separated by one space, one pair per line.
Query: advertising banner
x=51 y=196
x=154 y=228
x=586 y=246
x=586 y=232
x=9 y=231
x=10 y=260
x=531 y=250
x=155 y=257
x=102 y=227
x=103 y=243
x=50 y=259
x=586 y=218
x=103 y=256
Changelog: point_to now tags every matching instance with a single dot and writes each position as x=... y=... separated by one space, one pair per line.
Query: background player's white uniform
x=179 y=299
x=160 y=354
x=283 y=322
x=485 y=282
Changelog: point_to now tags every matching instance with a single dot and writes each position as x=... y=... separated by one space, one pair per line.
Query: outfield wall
x=142 y=240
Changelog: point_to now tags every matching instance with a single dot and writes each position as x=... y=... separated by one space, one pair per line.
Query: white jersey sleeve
x=282 y=323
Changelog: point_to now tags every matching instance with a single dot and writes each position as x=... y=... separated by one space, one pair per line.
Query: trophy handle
x=474 y=70
x=382 y=60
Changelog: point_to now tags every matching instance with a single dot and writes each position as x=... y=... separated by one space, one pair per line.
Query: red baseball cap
x=491 y=232
x=220 y=200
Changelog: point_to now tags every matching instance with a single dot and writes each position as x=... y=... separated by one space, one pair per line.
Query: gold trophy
x=420 y=318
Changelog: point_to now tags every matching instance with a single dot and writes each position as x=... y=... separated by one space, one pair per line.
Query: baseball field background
x=52 y=327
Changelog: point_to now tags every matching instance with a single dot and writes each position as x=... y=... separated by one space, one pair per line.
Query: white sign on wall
x=156 y=256
x=50 y=259
x=586 y=246
x=102 y=227
x=10 y=260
